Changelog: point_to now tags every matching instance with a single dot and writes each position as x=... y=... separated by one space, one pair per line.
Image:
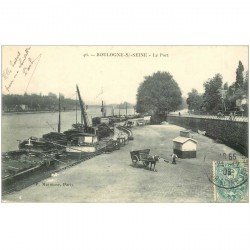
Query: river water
x=21 y=126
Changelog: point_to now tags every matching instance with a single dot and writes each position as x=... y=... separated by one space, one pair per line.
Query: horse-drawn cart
x=142 y=156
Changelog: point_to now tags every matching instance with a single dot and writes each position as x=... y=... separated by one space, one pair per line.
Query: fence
x=216 y=117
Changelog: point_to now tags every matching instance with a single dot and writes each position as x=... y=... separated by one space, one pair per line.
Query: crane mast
x=84 y=117
x=59 y=118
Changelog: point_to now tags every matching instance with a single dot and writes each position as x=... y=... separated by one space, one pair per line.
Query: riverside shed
x=185 y=133
x=185 y=147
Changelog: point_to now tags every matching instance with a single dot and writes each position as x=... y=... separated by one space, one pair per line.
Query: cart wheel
x=146 y=163
x=135 y=159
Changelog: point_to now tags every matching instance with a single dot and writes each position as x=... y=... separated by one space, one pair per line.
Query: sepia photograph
x=124 y=124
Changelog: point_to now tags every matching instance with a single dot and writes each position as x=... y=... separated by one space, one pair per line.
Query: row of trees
x=124 y=105
x=36 y=102
x=218 y=96
x=160 y=94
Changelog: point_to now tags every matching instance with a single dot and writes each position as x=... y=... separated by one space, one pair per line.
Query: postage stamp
x=230 y=180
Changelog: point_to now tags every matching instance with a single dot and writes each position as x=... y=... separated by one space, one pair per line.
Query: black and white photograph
x=143 y=124
x=124 y=125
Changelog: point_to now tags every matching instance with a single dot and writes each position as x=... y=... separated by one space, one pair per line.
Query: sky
x=113 y=73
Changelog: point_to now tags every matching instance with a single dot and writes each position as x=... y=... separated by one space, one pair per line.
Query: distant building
x=21 y=107
x=5 y=108
x=147 y=119
x=241 y=102
x=185 y=133
x=223 y=93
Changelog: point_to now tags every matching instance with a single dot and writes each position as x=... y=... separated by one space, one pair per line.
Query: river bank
x=34 y=112
x=112 y=178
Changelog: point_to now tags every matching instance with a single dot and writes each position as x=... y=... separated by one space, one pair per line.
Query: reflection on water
x=22 y=126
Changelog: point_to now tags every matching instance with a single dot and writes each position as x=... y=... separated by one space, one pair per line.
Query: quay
x=112 y=177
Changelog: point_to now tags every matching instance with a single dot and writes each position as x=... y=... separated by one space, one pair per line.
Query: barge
x=38 y=158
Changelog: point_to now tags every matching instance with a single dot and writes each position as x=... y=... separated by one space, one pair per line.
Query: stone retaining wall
x=232 y=133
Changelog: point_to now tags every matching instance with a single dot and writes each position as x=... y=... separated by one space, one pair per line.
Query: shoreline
x=41 y=112
x=33 y=112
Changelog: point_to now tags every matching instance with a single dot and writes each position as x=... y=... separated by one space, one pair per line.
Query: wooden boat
x=84 y=143
x=33 y=143
x=16 y=164
x=82 y=138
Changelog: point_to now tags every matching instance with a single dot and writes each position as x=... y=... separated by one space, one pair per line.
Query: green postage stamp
x=230 y=180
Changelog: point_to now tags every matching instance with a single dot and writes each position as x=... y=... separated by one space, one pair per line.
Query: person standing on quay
x=174 y=156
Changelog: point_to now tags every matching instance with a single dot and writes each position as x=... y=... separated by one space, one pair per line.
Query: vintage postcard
x=124 y=124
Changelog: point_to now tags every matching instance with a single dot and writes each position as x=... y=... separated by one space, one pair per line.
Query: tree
x=184 y=103
x=212 y=101
x=158 y=93
x=239 y=76
x=36 y=102
x=52 y=95
x=123 y=105
x=194 y=100
x=239 y=89
x=225 y=86
x=245 y=85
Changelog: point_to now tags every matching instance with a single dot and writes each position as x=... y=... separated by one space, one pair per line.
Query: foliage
x=239 y=76
x=239 y=89
x=36 y=102
x=219 y=96
x=183 y=103
x=212 y=101
x=246 y=82
x=194 y=100
x=124 y=104
x=226 y=86
x=158 y=93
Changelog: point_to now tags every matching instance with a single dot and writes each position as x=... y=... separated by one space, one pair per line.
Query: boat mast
x=59 y=118
x=83 y=110
x=76 y=107
x=102 y=109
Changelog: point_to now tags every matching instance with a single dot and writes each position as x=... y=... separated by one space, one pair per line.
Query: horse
x=152 y=161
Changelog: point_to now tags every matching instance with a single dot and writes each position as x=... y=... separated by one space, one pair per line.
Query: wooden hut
x=185 y=147
x=185 y=133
